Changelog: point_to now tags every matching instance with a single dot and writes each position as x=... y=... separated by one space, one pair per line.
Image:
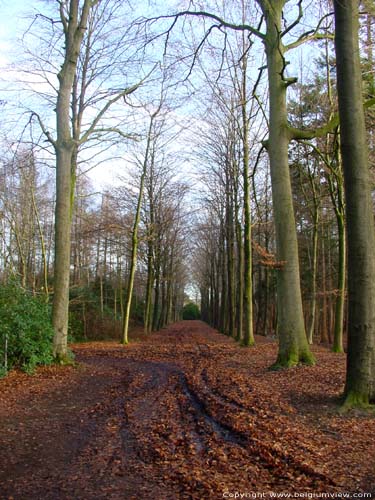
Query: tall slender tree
x=137 y=217
x=80 y=20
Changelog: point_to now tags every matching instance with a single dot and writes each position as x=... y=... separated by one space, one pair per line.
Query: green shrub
x=25 y=330
x=191 y=311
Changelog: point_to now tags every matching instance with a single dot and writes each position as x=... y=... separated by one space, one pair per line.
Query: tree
x=293 y=346
x=247 y=263
x=80 y=21
x=137 y=216
x=360 y=378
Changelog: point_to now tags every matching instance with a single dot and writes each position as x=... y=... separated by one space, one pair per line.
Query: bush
x=26 y=330
x=191 y=311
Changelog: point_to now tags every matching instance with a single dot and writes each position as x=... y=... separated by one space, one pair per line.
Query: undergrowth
x=26 y=330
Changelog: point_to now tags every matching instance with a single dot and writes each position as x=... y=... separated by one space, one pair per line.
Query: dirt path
x=184 y=414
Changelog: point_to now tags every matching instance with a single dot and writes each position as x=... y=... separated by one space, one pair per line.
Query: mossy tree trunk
x=360 y=378
x=74 y=25
x=293 y=345
x=336 y=190
x=134 y=250
x=248 y=338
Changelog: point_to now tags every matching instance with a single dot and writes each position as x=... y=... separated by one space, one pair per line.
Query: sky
x=13 y=23
x=15 y=18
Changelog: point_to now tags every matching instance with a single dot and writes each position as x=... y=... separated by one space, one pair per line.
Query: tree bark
x=360 y=378
x=74 y=28
x=248 y=339
x=133 y=259
x=293 y=346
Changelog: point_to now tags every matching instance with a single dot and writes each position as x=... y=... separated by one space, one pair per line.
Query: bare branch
x=311 y=35
x=115 y=130
x=62 y=17
x=109 y=103
x=219 y=20
x=200 y=45
x=44 y=129
x=296 y=22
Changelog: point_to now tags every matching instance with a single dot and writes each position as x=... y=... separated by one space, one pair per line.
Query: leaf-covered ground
x=184 y=414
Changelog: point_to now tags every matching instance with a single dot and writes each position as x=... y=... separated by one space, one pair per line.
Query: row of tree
x=272 y=167
x=307 y=183
x=101 y=245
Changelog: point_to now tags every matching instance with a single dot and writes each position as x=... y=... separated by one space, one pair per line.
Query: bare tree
x=85 y=56
x=150 y=137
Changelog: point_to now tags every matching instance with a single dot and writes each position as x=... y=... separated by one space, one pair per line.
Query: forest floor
x=183 y=414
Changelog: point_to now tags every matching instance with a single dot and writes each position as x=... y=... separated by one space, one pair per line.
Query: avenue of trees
x=243 y=137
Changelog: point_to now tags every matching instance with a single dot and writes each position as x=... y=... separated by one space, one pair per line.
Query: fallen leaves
x=184 y=413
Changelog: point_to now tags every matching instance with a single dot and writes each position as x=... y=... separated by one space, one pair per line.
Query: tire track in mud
x=266 y=455
x=160 y=428
x=195 y=427
x=200 y=424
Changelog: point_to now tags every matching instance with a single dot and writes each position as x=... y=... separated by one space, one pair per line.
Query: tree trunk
x=360 y=378
x=223 y=285
x=133 y=259
x=240 y=279
x=60 y=310
x=161 y=323
x=74 y=28
x=293 y=346
x=155 y=315
x=248 y=339
x=313 y=280
x=230 y=253
x=324 y=328
x=314 y=264
x=340 y=300
x=149 y=284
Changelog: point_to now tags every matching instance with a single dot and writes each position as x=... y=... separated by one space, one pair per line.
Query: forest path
x=185 y=413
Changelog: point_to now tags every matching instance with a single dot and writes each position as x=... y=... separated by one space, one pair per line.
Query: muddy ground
x=183 y=414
